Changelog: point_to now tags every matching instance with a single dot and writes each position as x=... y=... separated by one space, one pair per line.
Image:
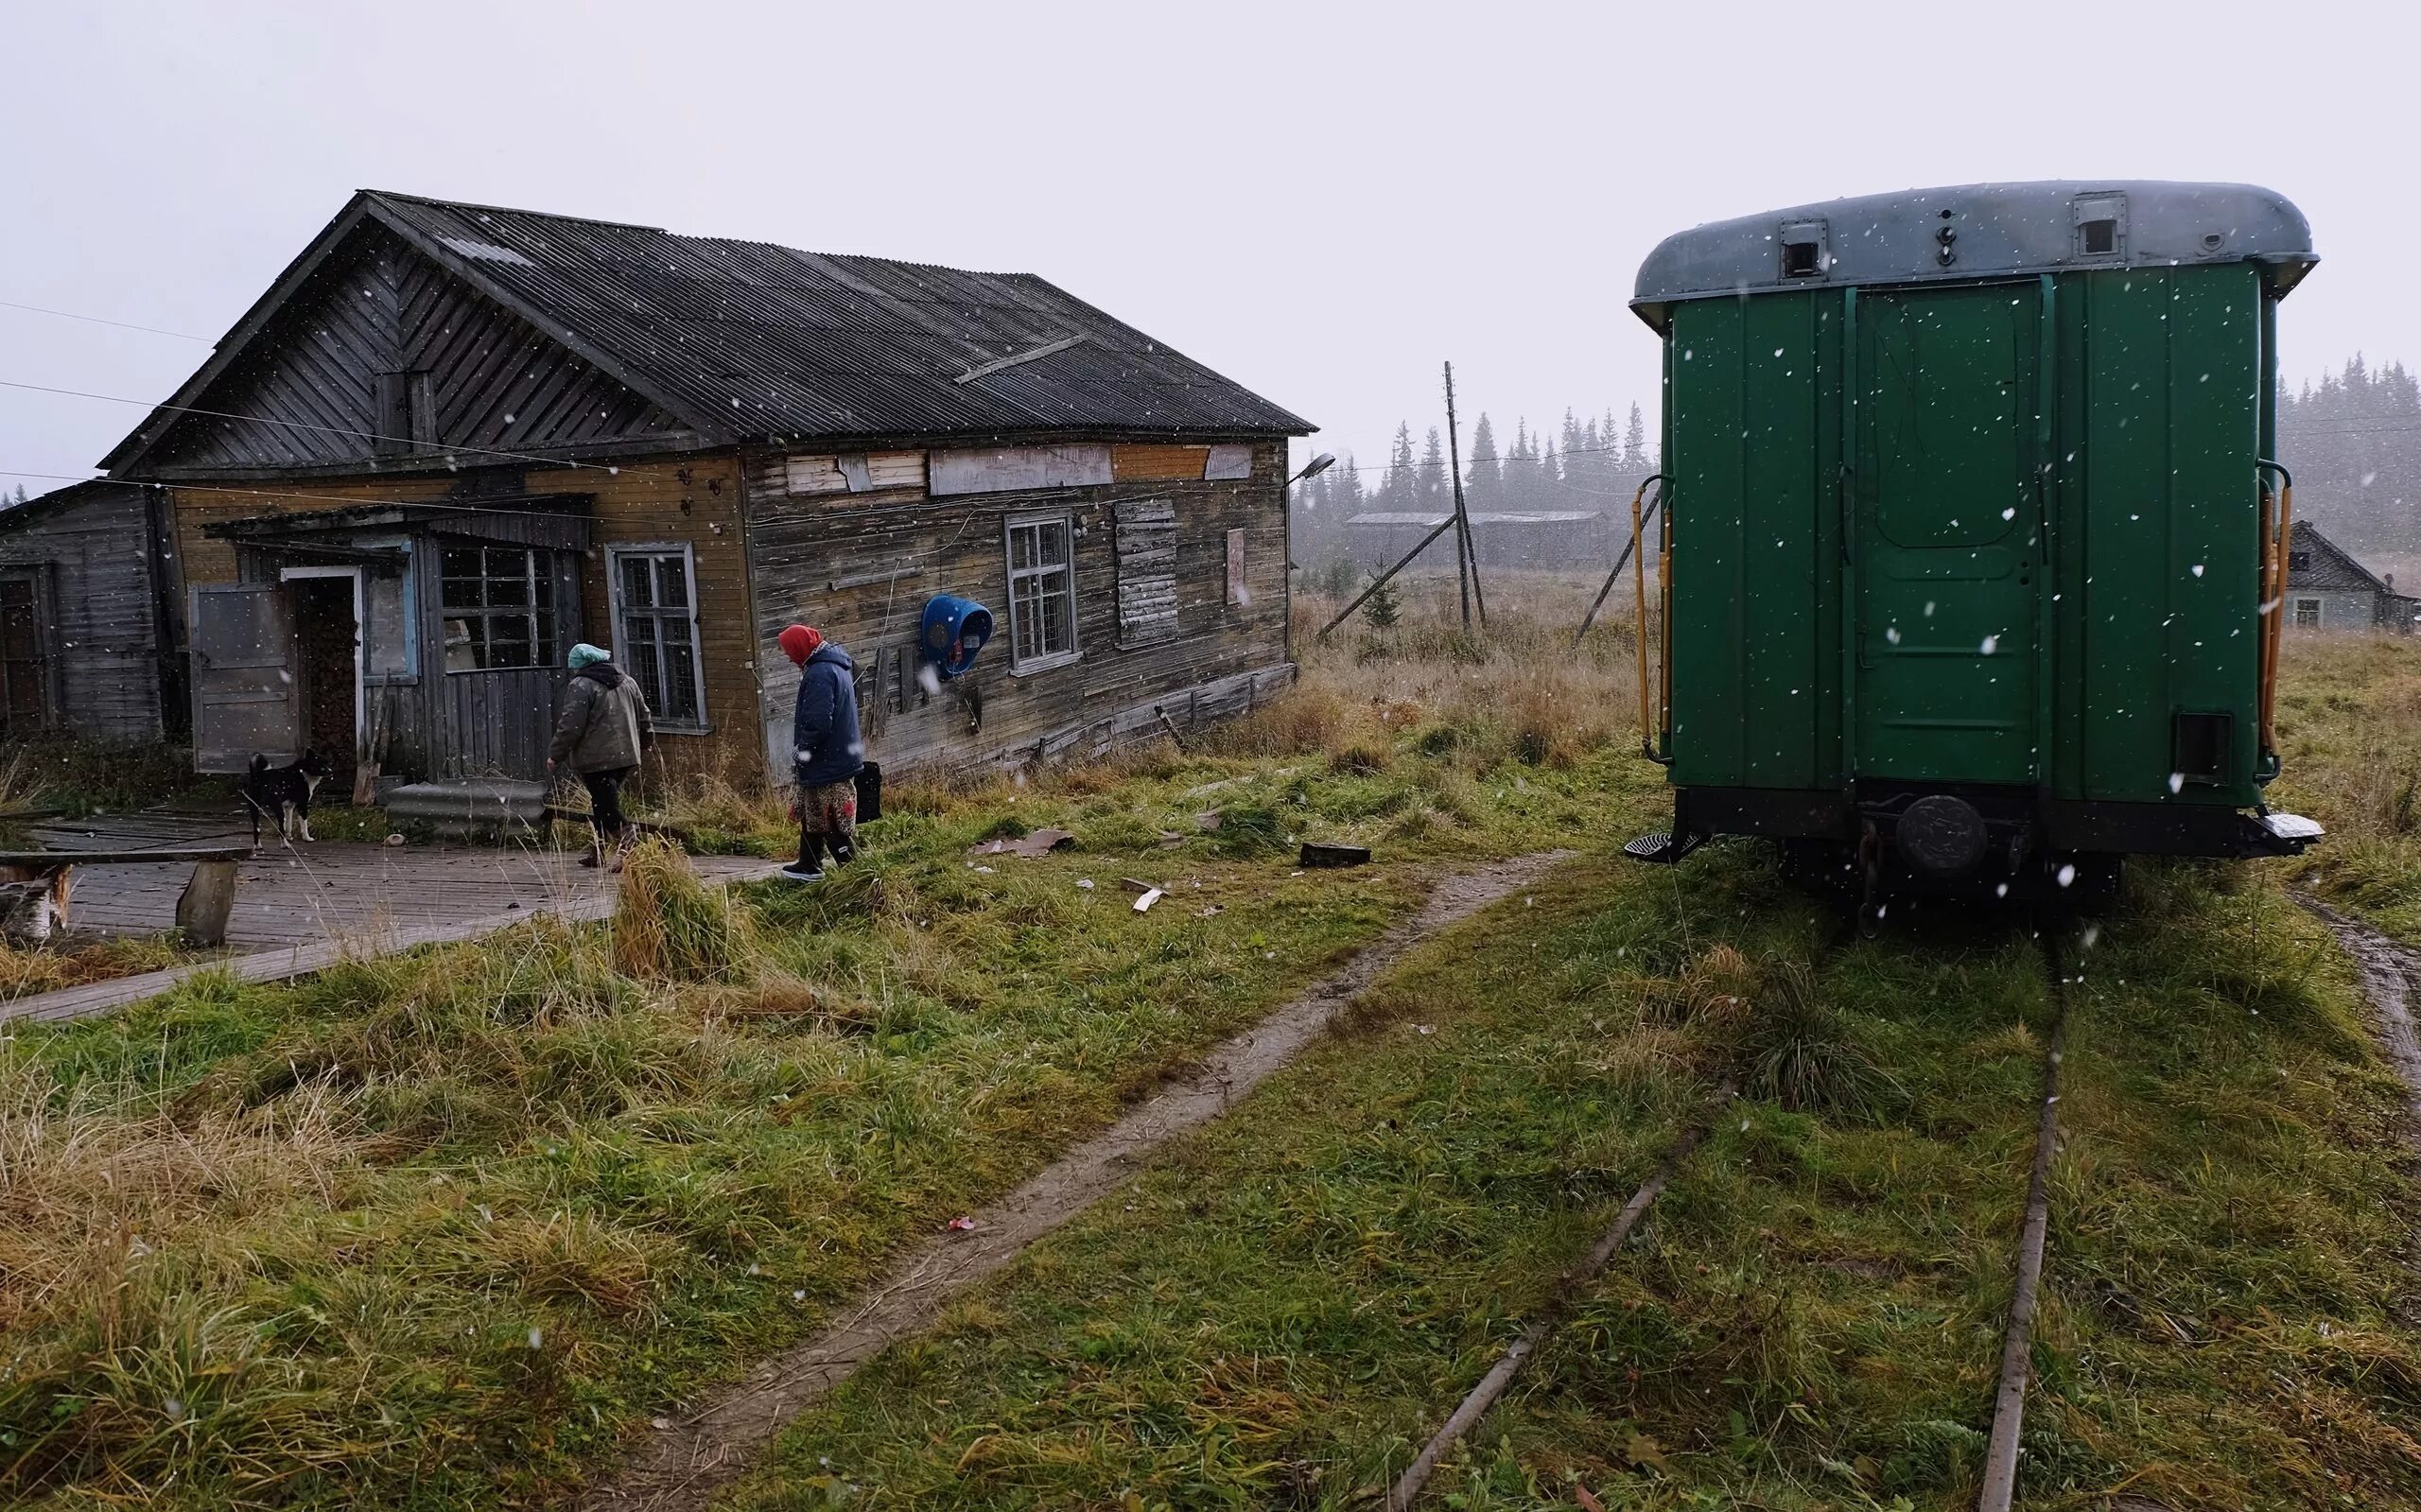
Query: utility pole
x=1466 y=550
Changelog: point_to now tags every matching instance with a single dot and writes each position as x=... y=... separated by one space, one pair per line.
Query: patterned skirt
x=829 y=810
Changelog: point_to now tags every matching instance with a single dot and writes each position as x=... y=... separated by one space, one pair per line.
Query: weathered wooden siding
x=379 y=307
x=861 y=566
x=97 y=557
x=694 y=499
x=697 y=500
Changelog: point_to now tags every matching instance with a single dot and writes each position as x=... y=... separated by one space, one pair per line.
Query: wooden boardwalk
x=302 y=907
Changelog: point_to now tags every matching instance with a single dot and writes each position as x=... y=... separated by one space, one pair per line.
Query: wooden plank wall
x=379 y=307
x=693 y=498
x=861 y=566
x=103 y=639
x=696 y=499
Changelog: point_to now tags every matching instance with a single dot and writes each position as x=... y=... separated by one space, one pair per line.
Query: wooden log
x=202 y=908
x=1317 y=854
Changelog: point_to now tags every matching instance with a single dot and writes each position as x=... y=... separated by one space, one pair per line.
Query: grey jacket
x=605 y=725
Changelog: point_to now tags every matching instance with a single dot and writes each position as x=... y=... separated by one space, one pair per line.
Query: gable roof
x=744 y=340
x=2332 y=565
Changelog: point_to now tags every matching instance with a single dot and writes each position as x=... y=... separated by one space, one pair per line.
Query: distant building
x=83 y=614
x=2326 y=589
x=1580 y=540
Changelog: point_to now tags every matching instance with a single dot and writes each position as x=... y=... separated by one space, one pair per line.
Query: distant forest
x=2355 y=444
x=1587 y=464
x=2354 y=441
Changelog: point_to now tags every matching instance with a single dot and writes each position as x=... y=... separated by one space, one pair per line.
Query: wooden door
x=24 y=661
x=245 y=695
x=1947 y=531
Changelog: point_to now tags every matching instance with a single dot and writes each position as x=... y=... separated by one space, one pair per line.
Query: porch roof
x=560 y=521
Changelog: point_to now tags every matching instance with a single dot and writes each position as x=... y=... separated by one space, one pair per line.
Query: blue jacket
x=823 y=733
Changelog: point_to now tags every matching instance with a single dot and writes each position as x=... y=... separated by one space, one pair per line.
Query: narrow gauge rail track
x=2009 y=1396
x=2017 y=1340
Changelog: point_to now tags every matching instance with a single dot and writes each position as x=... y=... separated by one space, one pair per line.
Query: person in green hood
x=603 y=731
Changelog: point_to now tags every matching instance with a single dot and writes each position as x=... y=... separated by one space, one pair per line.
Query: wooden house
x=83 y=629
x=451 y=440
x=2328 y=589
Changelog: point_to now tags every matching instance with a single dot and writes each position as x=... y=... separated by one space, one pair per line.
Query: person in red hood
x=827 y=750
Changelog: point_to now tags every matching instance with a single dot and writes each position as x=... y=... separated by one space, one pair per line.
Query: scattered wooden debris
x=1041 y=842
x=1318 y=854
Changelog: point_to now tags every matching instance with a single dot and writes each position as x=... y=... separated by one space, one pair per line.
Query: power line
x=123 y=325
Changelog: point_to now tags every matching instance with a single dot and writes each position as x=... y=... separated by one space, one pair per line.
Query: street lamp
x=1313 y=468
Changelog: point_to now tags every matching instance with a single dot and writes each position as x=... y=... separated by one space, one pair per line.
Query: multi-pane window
x=656 y=629
x=1042 y=592
x=499 y=607
x=2306 y=614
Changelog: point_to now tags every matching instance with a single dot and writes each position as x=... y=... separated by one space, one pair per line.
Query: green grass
x=2349 y=727
x=1281 y=1310
x=444 y=1230
x=436 y=1231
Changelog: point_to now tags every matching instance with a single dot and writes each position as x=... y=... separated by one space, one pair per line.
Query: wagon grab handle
x=2276 y=538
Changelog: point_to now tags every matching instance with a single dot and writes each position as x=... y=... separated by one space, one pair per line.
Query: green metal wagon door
x=1946 y=517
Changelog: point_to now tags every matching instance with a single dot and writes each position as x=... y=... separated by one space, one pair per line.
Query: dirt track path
x=2391 y=980
x=687 y=1462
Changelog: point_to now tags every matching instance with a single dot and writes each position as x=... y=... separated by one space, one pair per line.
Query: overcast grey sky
x=1319 y=200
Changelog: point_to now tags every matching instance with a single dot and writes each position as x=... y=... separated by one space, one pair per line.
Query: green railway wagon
x=1971 y=536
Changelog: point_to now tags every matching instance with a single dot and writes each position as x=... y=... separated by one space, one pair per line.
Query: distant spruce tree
x=1436 y=488
x=1483 y=477
x=1634 y=441
x=2355 y=444
x=1400 y=486
x=1380 y=611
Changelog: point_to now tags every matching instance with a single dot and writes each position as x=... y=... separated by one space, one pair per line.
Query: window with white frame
x=498 y=603
x=1042 y=592
x=655 y=631
x=2306 y=614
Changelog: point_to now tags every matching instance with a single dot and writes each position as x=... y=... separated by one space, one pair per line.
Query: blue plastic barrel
x=954 y=631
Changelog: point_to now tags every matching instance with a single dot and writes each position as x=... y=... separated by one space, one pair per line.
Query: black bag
x=869 y=792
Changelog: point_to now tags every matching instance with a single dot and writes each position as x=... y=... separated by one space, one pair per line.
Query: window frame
x=540 y=570
x=656 y=551
x=2319 y=613
x=1034 y=520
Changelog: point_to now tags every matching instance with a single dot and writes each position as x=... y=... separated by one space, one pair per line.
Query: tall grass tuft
x=1802 y=1052
x=669 y=926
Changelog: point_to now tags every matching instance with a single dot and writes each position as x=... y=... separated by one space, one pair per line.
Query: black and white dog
x=282 y=795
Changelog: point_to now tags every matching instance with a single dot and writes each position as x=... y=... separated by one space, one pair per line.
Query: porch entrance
x=327 y=631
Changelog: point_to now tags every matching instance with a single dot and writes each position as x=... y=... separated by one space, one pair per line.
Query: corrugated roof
x=744 y=338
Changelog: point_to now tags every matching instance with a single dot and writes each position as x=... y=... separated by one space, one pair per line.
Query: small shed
x=82 y=619
x=2328 y=590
